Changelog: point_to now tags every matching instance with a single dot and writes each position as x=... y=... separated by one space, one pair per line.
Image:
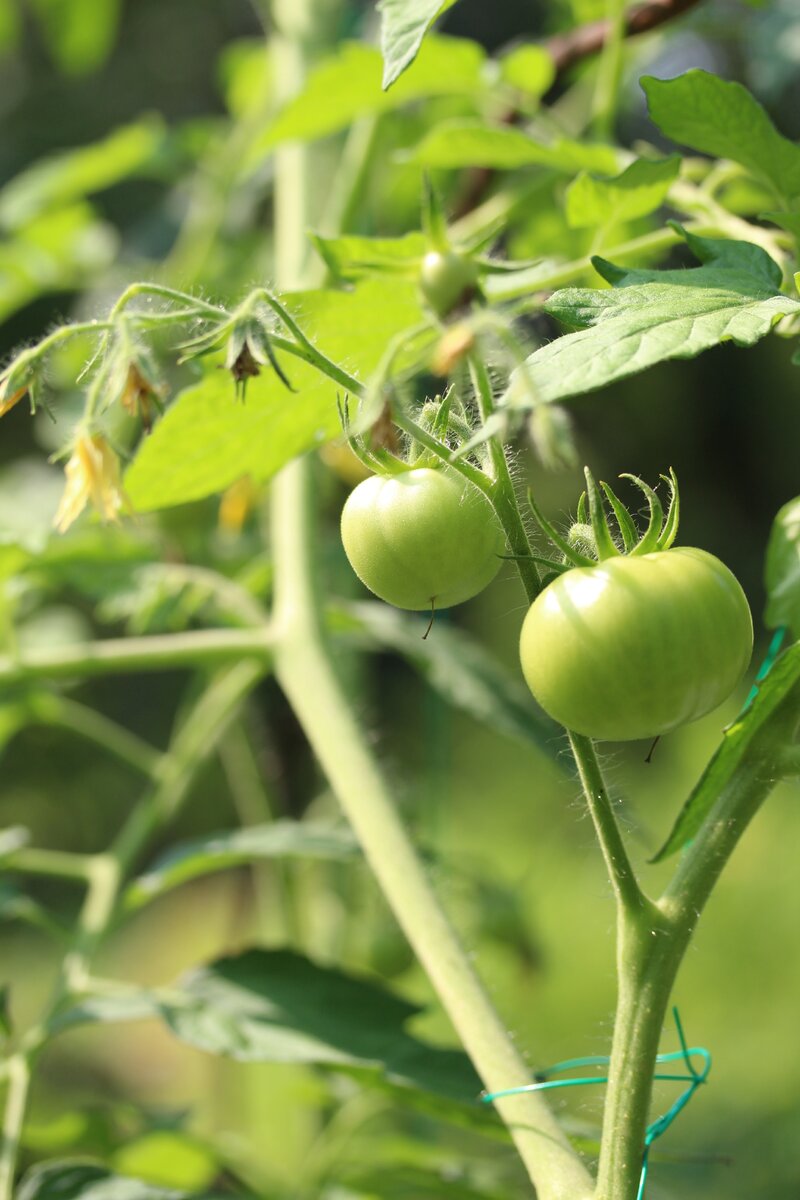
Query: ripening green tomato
x=446 y=280
x=636 y=646
x=421 y=538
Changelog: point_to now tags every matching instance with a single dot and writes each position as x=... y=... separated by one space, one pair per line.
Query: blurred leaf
x=722 y=118
x=348 y=86
x=650 y=316
x=404 y=24
x=75 y=174
x=30 y=490
x=782 y=571
x=57 y=251
x=16 y=906
x=76 y=1180
x=207 y=440
x=392 y=1182
x=736 y=740
x=80 y=34
x=95 y=560
x=786 y=220
x=462 y=143
x=280 y=839
x=277 y=1006
x=351 y=256
x=639 y=190
x=528 y=68
x=6 y=1024
x=244 y=70
x=10 y=25
x=458 y=667
x=169 y=1158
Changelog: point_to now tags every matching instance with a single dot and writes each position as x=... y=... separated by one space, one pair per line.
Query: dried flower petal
x=92 y=475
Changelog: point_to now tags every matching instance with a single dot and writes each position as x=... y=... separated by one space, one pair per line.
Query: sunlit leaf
x=79 y=33
x=649 y=316
x=721 y=118
x=529 y=68
x=76 y=1180
x=74 y=174
x=348 y=86
x=462 y=143
x=640 y=189
x=736 y=740
x=207 y=439
x=404 y=24
x=257 y=843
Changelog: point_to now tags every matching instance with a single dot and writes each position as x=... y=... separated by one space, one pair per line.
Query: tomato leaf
x=721 y=118
x=649 y=316
x=74 y=174
x=640 y=189
x=456 y=666
x=80 y=34
x=404 y=24
x=473 y=143
x=351 y=256
x=257 y=843
x=278 y=1006
x=72 y=1179
x=528 y=68
x=347 y=86
x=782 y=570
x=207 y=440
x=735 y=743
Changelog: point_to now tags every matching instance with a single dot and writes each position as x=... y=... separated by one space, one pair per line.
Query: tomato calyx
x=591 y=538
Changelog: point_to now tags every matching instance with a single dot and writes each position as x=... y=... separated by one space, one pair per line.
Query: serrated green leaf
x=529 y=68
x=457 y=667
x=79 y=33
x=639 y=190
x=650 y=316
x=257 y=843
x=404 y=24
x=73 y=1179
x=735 y=742
x=74 y=174
x=782 y=570
x=350 y=257
x=207 y=439
x=720 y=117
x=277 y=1006
x=348 y=86
x=473 y=143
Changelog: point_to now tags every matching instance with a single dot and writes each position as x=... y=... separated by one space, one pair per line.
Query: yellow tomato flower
x=92 y=475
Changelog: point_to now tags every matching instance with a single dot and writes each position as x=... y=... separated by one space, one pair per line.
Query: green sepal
x=606 y=546
x=561 y=543
x=650 y=539
x=669 y=529
x=623 y=518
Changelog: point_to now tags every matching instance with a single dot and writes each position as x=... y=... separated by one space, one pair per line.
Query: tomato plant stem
x=502 y=493
x=618 y=863
x=307 y=673
x=159 y=652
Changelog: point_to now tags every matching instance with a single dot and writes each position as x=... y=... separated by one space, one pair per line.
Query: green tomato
x=636 y=646
x=422 y=538
x=446 y=280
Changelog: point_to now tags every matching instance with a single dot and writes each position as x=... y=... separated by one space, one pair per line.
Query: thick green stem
x=618 y=864
x=651 y=946
x=502 y=494
x=307 y=674
x=161 y=652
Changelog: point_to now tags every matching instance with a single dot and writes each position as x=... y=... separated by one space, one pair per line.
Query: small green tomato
x=447 y=280
x=425 y=538
x=636 y=646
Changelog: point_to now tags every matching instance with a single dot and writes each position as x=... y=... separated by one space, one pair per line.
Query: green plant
x=698 y=249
